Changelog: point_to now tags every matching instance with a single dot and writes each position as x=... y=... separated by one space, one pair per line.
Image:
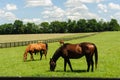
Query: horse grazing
x=75 y=51
x=35 y=48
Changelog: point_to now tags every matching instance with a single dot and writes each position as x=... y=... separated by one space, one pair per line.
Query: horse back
x=43 y=46
x=33 y=47
x=74 y=47
x=87 y=47
x=72 y=51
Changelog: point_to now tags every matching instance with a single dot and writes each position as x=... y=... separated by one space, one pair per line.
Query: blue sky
x=38 y=11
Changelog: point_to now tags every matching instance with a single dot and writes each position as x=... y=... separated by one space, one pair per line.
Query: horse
x=75 y=51
x=61 y=42
x=35 y=48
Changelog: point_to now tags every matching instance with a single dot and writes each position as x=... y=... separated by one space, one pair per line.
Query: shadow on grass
x=33 y=60
x=78 y=71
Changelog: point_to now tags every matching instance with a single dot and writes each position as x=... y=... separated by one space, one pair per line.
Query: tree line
x=70 y=26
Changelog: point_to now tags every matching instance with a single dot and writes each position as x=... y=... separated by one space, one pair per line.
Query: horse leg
x=88 y=62
x=92 y=63
x=45 y=53
x=41 y=55
x=69 y=63
x=31 y=56
x=65 y=64
x=35 y=53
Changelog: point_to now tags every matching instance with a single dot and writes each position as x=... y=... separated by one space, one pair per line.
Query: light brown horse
x=74 y=51
x=61 y=42
x=35 y=48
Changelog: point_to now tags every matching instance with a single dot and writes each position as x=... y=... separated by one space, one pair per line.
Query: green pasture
x=108 y=44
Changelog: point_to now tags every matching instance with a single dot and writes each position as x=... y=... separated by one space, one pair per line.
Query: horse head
x=52 y=65
x=25 y=56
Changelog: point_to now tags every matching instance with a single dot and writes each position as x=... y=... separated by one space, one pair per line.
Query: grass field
x=12 y=65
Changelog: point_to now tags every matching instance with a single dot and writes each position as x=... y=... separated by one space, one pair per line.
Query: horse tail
x=46 y=45
x=96 y=56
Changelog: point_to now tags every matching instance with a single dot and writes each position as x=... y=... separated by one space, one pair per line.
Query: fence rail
x=24 y=43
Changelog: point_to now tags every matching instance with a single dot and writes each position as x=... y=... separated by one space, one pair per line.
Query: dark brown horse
x=35 y=48
x=75 y=51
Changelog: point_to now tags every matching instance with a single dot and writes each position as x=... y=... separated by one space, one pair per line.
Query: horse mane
x=57 y=54
x=66 y=44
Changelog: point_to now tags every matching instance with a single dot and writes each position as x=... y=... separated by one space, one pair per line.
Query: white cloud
x=76 y=9
x=116 y=16
x=7 y=15
x=53 y=13
x=10 y=16
x=34 y=3
x=114 y=6
x=75 y=3
x=102 y=7
x=87 y=15
x=33 y=20
x=90 y=1
x=2 y=12
x=11 y=7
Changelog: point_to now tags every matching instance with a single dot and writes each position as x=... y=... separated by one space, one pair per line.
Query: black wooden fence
x=24 y=43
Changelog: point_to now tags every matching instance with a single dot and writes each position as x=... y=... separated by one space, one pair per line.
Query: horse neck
x=56 y=55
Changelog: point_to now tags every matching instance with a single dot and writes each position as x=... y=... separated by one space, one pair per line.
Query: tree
x=9 y=28
x=91 y=25
x=18 y=27
x=63 y=27
x=45 y=27
x=57 y=27
x=101 y=25
x=71 y=25
x=81 y=23
x=6 y=28
x=113 y=25
x=31 y=28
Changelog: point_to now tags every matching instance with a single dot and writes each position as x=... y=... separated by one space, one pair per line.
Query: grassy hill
x=12 y=65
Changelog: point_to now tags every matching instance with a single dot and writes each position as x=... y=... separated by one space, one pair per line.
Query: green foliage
x=18 y=27
x=12 y=65
x=113 y=25
x=70 y=26
x=45 y=27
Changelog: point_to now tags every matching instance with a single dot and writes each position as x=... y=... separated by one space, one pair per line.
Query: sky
x=38 y=11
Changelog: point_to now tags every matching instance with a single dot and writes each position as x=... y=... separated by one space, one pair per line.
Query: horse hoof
x=64 y=70
x=24 y=60
x=32 y=59
x=87 y=70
